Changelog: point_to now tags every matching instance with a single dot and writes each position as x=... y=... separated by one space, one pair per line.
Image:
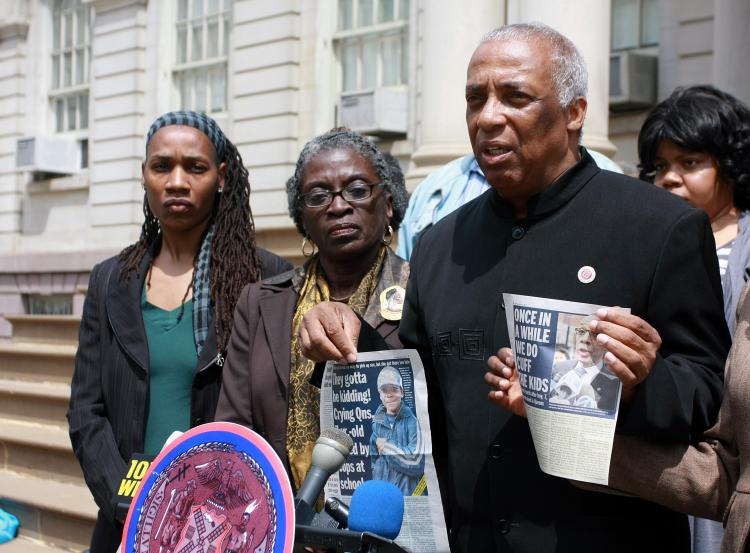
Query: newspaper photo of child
x=396 y=441
x=584 y=380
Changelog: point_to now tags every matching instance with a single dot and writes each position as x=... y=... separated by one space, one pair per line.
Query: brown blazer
x=712 y=478
x=256 y=373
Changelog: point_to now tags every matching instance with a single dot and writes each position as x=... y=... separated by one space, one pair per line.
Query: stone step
x=46 y=329
x=37 y=362
x=23 y=544
x=39 y=451
x=34 y=402
x=57 y=513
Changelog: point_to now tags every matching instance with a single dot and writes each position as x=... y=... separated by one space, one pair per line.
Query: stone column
x=732 y=47
x=447 y=32
x=14 y=27
x=117 y=121
x=265 y=86
x=273 y=86
x=587 y=24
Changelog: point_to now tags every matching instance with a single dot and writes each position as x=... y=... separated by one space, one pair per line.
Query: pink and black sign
x=218 y=488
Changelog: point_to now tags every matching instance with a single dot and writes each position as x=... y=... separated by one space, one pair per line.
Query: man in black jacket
x=643 y=249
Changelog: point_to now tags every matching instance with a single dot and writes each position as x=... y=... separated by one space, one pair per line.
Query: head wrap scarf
x=201 y=282
x=199 y=121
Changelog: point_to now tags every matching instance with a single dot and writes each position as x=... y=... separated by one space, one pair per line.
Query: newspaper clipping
x=381 y=402
x=571 y=395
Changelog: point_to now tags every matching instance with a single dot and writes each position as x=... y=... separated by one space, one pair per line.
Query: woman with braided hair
x=157 y=317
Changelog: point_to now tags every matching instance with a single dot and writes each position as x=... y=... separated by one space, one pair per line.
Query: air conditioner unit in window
x=379 y=112
x=632 y=80
x=48 y=154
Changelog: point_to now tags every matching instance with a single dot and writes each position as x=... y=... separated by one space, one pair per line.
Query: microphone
x=139 y=463
x=330 y=452
x=374 y=520
x=131 y=479
x=338 y=511
x=378 y=508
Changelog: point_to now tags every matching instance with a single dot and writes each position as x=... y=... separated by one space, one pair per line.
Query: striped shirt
x=723 y=254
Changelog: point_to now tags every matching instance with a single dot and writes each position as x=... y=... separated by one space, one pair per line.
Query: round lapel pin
x=586 y=274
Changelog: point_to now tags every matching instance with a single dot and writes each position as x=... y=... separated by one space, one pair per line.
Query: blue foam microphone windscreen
x=377 y=507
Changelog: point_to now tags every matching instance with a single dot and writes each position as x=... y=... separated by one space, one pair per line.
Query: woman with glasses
x=347 y=200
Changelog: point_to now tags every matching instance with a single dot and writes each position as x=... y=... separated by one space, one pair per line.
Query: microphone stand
x=344 y=541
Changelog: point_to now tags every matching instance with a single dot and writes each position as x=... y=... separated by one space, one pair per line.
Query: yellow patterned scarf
x=303 y=422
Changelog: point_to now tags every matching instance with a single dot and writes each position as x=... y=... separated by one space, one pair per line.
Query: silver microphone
x=331 y=450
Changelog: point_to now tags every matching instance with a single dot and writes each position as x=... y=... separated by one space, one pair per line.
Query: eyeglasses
x=354 y=192
x=582 y=331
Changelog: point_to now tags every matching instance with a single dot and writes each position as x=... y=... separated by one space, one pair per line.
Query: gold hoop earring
x=388 y=236
x=305 y=243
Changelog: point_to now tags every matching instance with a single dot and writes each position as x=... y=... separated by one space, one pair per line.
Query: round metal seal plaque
x=218 y=488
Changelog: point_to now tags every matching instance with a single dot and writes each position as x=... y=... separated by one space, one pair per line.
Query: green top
x=172 y=359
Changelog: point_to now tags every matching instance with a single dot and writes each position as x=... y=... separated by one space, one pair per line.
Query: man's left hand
x=631 y=345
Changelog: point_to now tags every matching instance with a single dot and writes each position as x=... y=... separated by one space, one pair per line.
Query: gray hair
x=386 y=167
x=569 y=75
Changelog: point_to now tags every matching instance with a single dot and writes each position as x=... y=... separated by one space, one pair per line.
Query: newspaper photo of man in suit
x=585 y=380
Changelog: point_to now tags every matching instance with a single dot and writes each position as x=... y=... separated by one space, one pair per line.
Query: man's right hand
x=329 y=331
x=503 y=379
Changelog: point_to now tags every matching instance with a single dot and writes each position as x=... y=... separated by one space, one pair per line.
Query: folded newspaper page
x=381 y=402
x=571 y=395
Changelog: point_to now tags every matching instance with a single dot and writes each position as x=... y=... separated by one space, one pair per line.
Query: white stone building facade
x=81 y=80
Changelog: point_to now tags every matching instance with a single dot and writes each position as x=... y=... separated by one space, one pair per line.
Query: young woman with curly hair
x=696 y=144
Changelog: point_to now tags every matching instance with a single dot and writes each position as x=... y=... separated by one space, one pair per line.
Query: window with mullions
x=202 y=42
x=635 y=24
x=372 y=43
x=71 y=54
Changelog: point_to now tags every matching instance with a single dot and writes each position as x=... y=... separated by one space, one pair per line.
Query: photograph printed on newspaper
x=381 y=402
x=572 y=397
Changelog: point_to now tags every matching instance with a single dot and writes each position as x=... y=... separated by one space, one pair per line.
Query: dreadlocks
x=234 y=258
